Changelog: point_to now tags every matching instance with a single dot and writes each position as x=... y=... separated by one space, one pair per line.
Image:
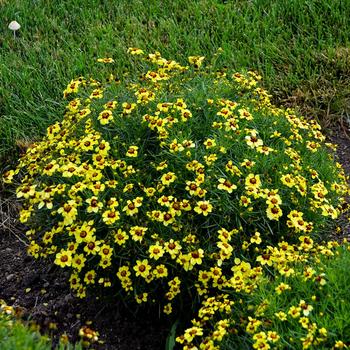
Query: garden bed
x=43 y=292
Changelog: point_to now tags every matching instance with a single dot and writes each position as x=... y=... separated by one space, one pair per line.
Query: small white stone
x=14 y=25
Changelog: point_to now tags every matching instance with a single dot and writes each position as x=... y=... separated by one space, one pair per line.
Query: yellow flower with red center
x=110 y=105
x=294 y=311
x=78 y=261
x=135 y=51
x=128 y=107
x=90 y=277
x=105 y=60
x=226 y=185
x=97 y=94
x=120 y=237
x=63 y=258
x=253 y=181
x=160 y=271
x=196 y=60
x=123 y=273
x=69 y=212
x=137 y=233
x=141 y=298
x=131 y=208
x=252 y=140
x=256 y=238
x=274 y=212
x=106 y=251
x=132 y=151
x=288 y=180
x=209 y=143
x=196 y=257
x=282 y=287
x=110 y=216
x=156 y=251
x=142 y=268
x=168 y=178
x=203 y=207
x=94 y=205
x=173 y=248
x=92 y=246
x=306 y=308
x=105 y=117
x=25 y=191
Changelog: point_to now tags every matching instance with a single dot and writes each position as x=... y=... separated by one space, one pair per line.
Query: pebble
x=10 y=277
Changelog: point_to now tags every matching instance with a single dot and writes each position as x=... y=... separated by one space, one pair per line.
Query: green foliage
x=292 y=43
x=307 y=310
x=16 y=335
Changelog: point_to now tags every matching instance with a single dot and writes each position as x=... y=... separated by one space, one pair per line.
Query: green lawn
x=300 y=47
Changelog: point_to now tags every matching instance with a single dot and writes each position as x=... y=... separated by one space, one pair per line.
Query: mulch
x=43 y=292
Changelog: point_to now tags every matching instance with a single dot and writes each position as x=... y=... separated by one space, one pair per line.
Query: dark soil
x=43 y=292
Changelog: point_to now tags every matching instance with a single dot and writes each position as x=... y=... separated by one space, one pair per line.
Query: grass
x=15 y=335
x=300 y=47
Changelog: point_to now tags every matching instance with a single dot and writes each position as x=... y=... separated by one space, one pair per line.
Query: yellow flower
x=94 y=205
x=253 y=141
x=90 y=277
x=226 y=185
x=69 y=212
x=105 y=60
x=256 y=238
x=196 y=257
x=281 y=316
x=288 y=180
x=97 y=93
x=160 y=271
x=142 y=268
x=196 y=60
x=25 y=191
x=209 y=143
x=131 y=207
x=168 y=178
x=110 y=105
x=137 y=233
x=272 y=336
x=63 y=258
x=123 y=273
x=274 y=212
x=141 y=298
x=168 y=309
x=120 y=237
x=132 y=151
x=78 y=261
x=128 y=107
x=156 y=251
x=110 y=216
x=135 y=51
x=253 y=181
x=173 y=248
x=282 y=287
x=306 y=308
x=105 y=117
x=294 y=311
x=203 y=207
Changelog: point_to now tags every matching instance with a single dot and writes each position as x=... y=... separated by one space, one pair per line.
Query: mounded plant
x=164 y=181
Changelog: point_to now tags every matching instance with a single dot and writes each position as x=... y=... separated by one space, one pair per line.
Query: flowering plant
x=163 y=182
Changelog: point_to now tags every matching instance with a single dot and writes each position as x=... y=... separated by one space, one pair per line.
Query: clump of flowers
x=168 y=181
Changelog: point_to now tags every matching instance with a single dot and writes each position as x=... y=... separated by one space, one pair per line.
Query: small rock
x=10 y=277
